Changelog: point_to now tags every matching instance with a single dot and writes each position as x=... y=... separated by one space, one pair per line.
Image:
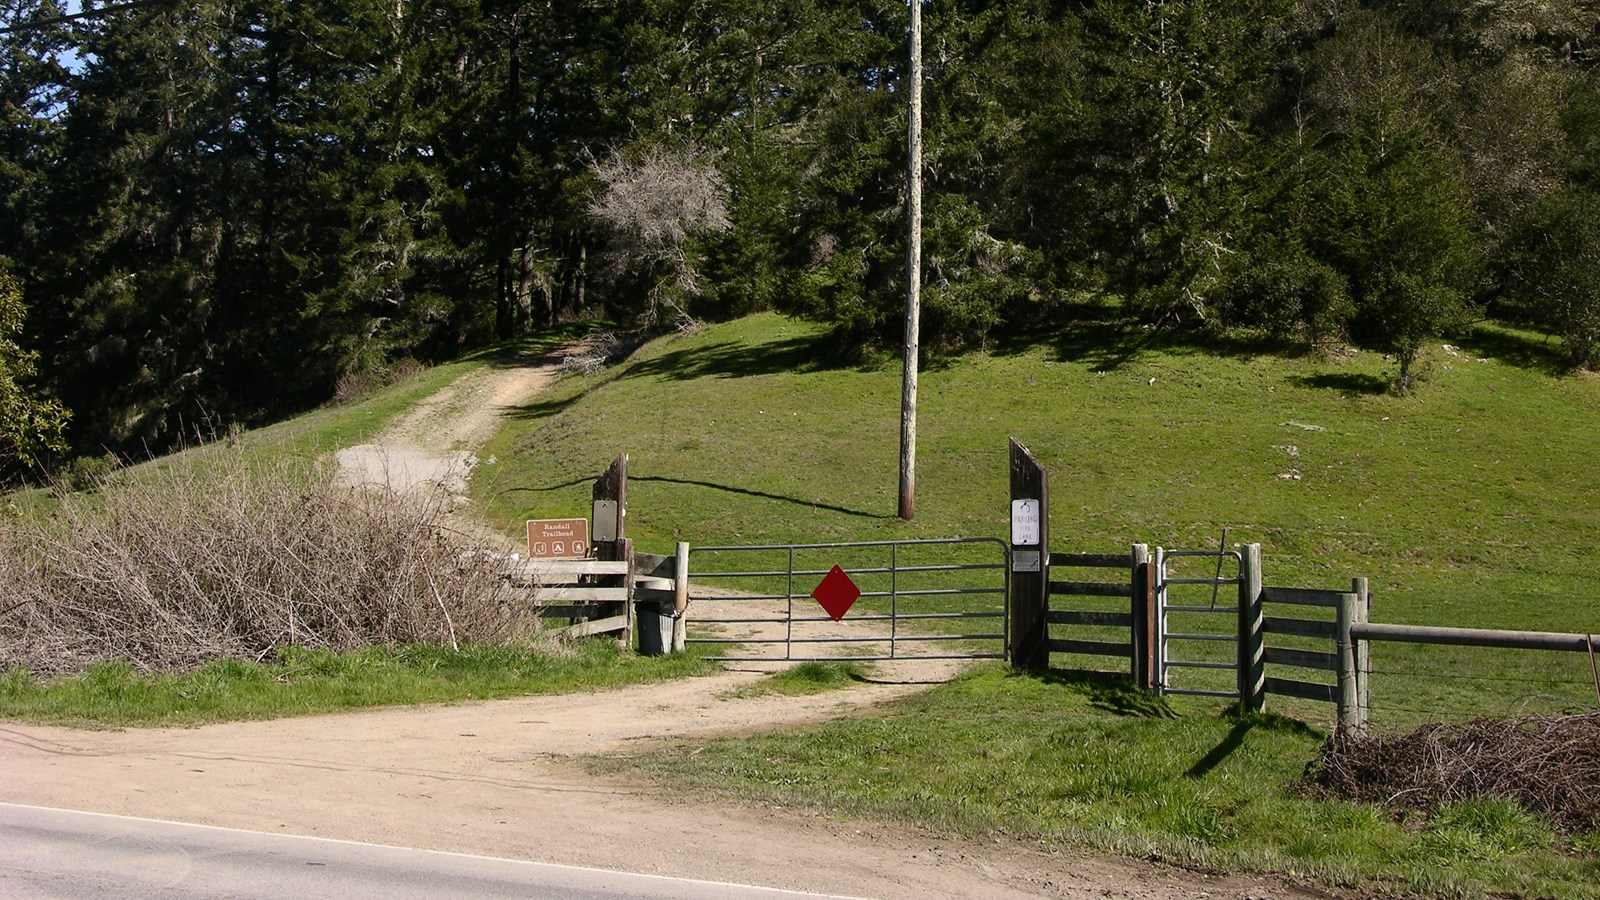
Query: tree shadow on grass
x=689 y=482
x=1350 y=384
x=1107 y=691
x=808 y=504
x=1087 y=336
x=738 y=359
x=547 y=347
x=539 y=409
x=1525 y=350
x=1104 y=339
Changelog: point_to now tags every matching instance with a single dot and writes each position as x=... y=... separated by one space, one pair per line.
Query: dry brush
x=224 y=558
x=1549 y=765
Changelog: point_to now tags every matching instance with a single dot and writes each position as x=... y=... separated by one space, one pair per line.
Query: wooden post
x=1144 y=624
x=1030 y=566
x=1252 y=643
x=908 y=393
x=1363 y=652
x=680 y=604
x=1351 y=720
x=613 y=487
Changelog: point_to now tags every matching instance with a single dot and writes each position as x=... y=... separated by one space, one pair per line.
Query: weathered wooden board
x=1299 y=627
x=1092 y=560
x=594 y=626
x=1087 y=617
x=579 y=593
x=1305 y=596
x=1305 y=659
x=1305 y=690
x=1091 y=589
x=1092 y=648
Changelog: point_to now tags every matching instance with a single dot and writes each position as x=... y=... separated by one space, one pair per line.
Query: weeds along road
x=509 y=778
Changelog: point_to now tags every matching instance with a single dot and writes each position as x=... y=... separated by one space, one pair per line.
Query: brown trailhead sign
x=837 y=593
x=558 y=538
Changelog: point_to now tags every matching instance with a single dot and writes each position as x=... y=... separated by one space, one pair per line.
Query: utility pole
x=908 y=395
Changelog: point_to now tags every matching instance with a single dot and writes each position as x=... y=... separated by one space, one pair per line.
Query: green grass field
x=1472 y=502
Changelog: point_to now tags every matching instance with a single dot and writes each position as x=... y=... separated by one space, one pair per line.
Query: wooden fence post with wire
x=1358 y=633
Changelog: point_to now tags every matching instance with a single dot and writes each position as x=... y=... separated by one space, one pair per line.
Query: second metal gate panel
x=1195 y=615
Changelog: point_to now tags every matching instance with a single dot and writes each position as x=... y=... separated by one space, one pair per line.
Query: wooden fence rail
x=1352 y=635
x=1473 y=637
x=1263 y=612
x=1346 y=660
x=1358 y=634
x=596 y=595
x=1137 y=622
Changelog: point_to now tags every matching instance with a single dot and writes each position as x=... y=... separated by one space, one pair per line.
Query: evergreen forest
x=225 y=211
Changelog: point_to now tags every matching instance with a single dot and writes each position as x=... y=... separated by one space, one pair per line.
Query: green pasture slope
x=1473 y=502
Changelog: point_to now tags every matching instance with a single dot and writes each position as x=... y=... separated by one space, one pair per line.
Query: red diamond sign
x=836 y=593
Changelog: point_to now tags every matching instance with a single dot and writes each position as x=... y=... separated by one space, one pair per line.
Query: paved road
x=50 y=853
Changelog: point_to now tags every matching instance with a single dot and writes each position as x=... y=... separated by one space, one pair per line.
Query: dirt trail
x=506 y=778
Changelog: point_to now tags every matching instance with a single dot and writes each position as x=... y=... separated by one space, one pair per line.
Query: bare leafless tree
x=654 y=200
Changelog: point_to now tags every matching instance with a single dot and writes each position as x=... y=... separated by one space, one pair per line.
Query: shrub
x=218 y=558
x=1554 y=270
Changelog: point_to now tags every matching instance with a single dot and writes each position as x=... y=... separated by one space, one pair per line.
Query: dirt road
x=506 y=778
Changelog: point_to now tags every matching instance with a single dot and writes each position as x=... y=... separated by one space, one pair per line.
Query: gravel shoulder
x=507 y=778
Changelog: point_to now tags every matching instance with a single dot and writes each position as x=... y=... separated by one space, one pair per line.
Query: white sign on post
x=1025 y=523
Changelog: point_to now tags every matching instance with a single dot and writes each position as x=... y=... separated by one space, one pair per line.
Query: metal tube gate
x=1197 y=617
x=914 y=594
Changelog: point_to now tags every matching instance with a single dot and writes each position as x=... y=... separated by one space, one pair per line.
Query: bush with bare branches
x=1549 y=765
x=653 y=201
x=221 y=558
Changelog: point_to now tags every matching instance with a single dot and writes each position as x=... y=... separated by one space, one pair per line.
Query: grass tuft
x=808 y=678
x=306 y=680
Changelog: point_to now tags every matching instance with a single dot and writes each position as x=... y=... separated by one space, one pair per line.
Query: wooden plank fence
x=1289 y=630
x=1348 y=661
x=596 y=595
x=1138 y=622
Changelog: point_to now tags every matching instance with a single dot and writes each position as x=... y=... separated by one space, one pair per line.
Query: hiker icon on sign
x=558 y=538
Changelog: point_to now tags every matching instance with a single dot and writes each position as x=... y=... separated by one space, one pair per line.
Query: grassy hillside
x=1472 y=502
